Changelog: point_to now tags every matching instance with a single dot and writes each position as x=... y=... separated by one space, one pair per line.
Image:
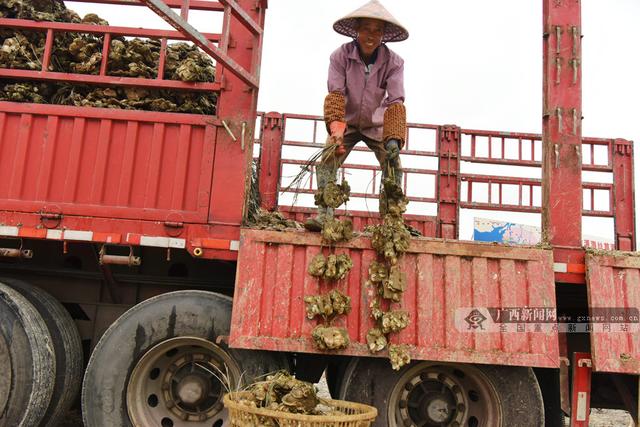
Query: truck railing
x=316 y=140
x=206 y=41
x=525 y=149
x=434 y=172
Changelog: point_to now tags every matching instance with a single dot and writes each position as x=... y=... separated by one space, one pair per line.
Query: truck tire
x=66 y=346
x=335 y=374
x=31 y=361
x=434 y=393
x=549 y=380
x=164 y=363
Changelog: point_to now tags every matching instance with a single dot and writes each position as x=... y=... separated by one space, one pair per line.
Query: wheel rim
x=5 y=373
x=444 y=395
x=181 y=382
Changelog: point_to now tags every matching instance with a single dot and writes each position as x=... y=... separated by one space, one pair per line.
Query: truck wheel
x=29 y=361
x=162 y=363
x=549 y=380
x=441 y=394
x=66 y=346
x=335 y=374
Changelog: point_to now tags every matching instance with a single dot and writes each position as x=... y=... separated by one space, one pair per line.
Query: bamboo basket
x=355 y=415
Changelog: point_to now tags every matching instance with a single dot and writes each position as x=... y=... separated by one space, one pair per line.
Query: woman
x=366 y=96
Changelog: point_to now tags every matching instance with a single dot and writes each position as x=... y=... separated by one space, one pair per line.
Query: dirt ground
x=609 y=418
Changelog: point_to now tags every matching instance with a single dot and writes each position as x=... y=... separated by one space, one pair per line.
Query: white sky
x=473 y=63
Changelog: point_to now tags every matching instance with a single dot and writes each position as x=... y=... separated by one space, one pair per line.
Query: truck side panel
x=613 y=289
x=102 y=163
x=442 y=276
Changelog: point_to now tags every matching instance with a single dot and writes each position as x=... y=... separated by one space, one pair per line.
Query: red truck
x=133 y=224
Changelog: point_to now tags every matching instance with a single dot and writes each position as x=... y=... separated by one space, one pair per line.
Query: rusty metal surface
x=613 y=281
x=442 y=276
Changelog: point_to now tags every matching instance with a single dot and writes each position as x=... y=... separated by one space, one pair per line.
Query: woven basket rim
x=369 y=413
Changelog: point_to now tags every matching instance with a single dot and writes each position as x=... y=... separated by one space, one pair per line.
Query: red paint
x=270 y=157
x=452 y=145
x=104 y=167
x=581 y=390
x=562 y=123
x=614 y=281
x=624 y=195
x=448 y=182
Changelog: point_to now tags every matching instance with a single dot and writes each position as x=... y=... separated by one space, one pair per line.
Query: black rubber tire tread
x=66 y=345
x=32 y=360
x=549 y=380
x=335 y=375
x=370 y=380
x=182 y=313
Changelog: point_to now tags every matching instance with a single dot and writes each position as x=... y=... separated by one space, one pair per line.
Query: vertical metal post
x=237 y=108
x=48 y=47
x=581 y=390
x=106 y=47
x=562 y=126
x=163 y=58
x=270 y=156
x=623 y=197
x=448 y=182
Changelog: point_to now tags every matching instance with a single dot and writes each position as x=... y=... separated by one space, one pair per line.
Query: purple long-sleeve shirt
x=367 y=94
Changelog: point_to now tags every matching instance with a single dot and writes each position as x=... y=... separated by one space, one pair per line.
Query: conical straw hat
x=393 y=30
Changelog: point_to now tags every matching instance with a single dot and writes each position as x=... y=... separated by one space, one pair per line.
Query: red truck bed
x=106 y=163
x=136 y=178
x=445 y=280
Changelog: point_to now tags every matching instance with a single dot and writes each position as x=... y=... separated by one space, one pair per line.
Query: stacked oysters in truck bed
x=82 y=54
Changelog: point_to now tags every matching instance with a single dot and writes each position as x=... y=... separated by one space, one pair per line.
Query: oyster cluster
x=330 y=337
x=266 y=220
x=390 y=240
x=328 y=305
x=333 y=267
x=81 y=53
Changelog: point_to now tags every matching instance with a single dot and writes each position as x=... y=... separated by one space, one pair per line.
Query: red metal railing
x=526 y=149
x=412 y=148
x=450 y=188
x=206 y=41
